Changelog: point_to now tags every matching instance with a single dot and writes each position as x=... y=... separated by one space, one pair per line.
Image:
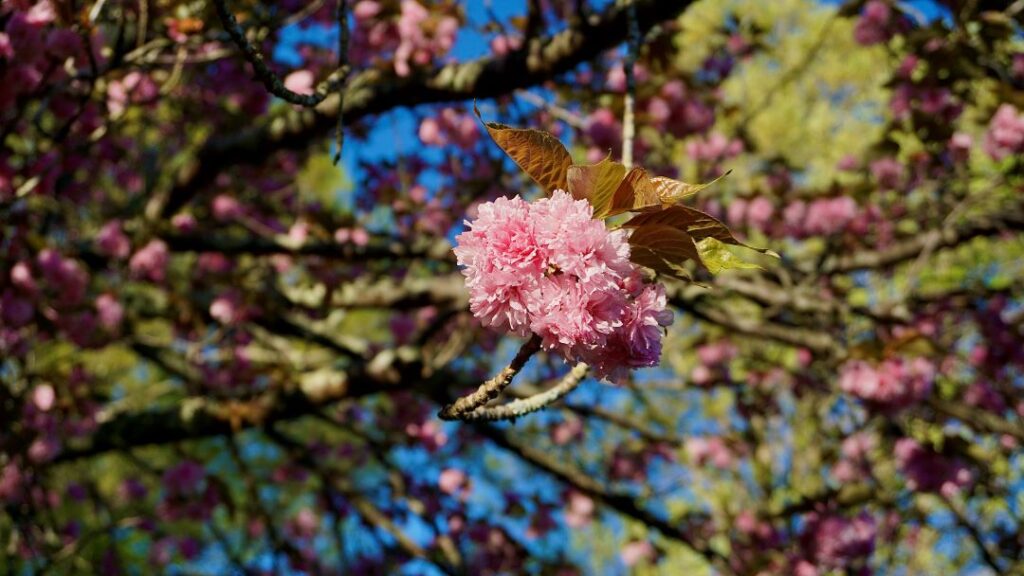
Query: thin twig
x=339 y=131
x=565 y=115
x=490 y=389
x=524 y=406
x=263 y=72
x=628 y=120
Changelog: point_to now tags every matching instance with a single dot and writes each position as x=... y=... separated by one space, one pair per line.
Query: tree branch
x=524 y=406
x=622 y=503
x=375 y=91
x=489 y=390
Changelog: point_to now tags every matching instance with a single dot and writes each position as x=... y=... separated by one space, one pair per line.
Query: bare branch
x=489 y=390
x=523 y=406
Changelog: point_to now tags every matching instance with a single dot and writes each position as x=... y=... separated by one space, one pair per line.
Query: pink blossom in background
x=873 y=26
x=112 y=242
x=579 y=509
x=715 y=148
x=300 y=82
x=632 y=553
x=22 y=278
x=449 y=126
x=133 y=88
x=227 y=308
x=716 y=353
x=711 y=450
x=616 y=80
x=15 y=311
x=452 y=480
x=737 y=211
x=1005 y=134
x=43 y=397
x=150 y=262
x=823 y=216
x=605 y=133
x=226 y=208
x=11 y=483
x=366 y=9
x=183 y=222
x=184 y=478
x=982 y=395
x=854 y=452
x=928 y=471
x=960 y=147
x=892 y=384
x=567 y=431
x=550 y=269
x=418 y=42
x=109 y=311
x=836 y=542
x=888 y=173
x=760 y=213
x=304 y=524
x=503 y=44
x=66 y=277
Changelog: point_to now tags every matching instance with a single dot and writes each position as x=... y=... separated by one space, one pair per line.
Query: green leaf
x=538 y=153
x=663 y=248
x=596 y=183
x=717 y=257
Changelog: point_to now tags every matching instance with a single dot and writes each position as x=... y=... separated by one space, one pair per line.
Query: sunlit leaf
x=717 y=257
x=538 y=153
x=634 y=192
x=671 y=191
x=639 y=190
x=596 y=183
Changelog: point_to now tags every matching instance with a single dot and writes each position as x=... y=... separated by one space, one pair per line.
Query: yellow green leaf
x=717 y=257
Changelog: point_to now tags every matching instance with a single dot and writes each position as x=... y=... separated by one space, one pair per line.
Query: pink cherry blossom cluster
x=892 y=384
x=549 y=268
x=1005 y=136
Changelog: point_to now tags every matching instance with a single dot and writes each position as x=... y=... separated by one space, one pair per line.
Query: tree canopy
x=545 y=287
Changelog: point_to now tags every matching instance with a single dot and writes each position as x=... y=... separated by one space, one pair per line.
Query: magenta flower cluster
x=549 y=268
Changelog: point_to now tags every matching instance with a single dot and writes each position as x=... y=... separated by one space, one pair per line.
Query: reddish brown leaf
x=538 y=153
